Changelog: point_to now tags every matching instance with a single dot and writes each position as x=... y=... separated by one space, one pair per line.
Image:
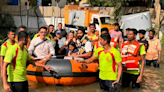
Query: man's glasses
x=43 y=32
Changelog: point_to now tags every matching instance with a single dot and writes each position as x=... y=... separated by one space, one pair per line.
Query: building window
x=12 y=2
x=46 y=3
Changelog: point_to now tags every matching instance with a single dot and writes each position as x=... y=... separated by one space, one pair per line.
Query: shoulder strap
x=40 y=43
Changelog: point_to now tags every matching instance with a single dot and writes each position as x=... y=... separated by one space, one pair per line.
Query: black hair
x=152 y=31
x=51 y=25
x=22 y=34
x=43 y=28
x=105 y=29
x=142 y=31
x=82 y=29
x=127 y=29
x=22 y=26
x=107 y=37
x=134 y=31
x=11 y=30
x=116 y=24
x=59 y=23
x=71 y=31
x=73 y=44
x=92 y=24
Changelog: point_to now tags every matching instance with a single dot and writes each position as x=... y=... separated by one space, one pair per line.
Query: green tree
x=33 y=3
x=2 y=2
x=98 y=2
x=117 y=4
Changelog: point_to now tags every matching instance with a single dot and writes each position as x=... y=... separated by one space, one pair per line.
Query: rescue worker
x=116 y=36
x=4 y=47
x=23 y=28
x=93 y=35
x=125 y=38
x=110 y=65
x=51 y=29
x=84 y=45
x=132 y=53
x=15 y=66
x=103 y=31
x=142 y=39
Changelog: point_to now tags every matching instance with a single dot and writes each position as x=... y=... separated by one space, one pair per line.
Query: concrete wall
x=33 y=23
x=47 y=11
x=41 y=11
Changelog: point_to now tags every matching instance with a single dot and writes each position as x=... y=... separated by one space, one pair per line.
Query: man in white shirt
x=84 y=45
x=40 y=46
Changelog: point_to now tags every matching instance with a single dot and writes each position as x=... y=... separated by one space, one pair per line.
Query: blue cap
x=58 y=32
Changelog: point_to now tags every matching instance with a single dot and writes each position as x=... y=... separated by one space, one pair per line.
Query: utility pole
x=57 y=2
x=27 y=16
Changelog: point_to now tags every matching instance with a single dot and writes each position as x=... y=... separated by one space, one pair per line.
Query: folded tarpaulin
x=138 y=21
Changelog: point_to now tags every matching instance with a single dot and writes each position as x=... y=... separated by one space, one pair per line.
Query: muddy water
x=153 y=81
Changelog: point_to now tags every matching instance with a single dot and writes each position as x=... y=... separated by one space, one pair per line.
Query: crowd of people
x=118 y=56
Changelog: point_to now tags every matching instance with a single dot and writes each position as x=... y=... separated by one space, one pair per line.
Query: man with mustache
x=84 y=45
x=4 y=47
x=154 y=51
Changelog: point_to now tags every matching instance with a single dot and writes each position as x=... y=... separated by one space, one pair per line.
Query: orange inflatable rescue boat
x=66 y=72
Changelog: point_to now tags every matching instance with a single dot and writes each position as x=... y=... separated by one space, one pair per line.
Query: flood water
x=153 y=81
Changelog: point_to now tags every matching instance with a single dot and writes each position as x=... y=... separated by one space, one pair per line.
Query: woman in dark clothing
x=72 y=49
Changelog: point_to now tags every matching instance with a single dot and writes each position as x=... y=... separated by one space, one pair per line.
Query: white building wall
x=32 y=21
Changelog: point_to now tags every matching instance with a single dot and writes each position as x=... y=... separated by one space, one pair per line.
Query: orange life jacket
x=114 y=42
x=129 y=52
x=94 y=41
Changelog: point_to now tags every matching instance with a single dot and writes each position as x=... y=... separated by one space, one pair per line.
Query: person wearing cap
x=84 y=45
x=142 y=39
x=63 y=32
x=116 y=36
x=41 y=46
x=59 y=43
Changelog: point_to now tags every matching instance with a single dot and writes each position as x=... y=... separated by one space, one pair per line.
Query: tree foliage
x=117 y=4
x=7 y=20
x=2 y=2
x=33 y=3
x=75 y=2
x=99 y=3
